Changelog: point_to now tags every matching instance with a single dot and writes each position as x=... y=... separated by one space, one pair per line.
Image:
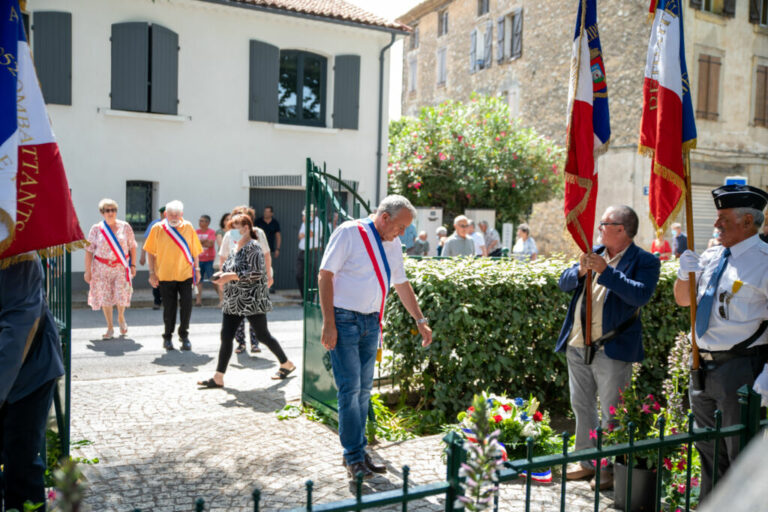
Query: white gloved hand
x=689 y=262
x=761 y=385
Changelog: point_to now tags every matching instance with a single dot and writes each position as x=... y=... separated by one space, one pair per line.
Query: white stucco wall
x=204 y=155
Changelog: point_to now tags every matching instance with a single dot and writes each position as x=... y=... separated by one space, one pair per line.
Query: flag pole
x=588 y=322
x=691 y=275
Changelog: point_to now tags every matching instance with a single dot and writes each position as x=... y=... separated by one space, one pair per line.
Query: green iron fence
x=325 y=208
x=450 y=489
x=58 y=286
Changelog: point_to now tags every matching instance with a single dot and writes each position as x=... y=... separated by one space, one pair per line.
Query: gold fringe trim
x=650 y=17
x=48 y=252
x=646 y=151
x=689 y=145
x=602 y=149
x=677 y=181
x=572 y=217
x=669 y=175
x=7 y=221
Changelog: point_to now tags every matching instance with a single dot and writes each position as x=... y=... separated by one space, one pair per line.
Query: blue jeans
x=353 y=362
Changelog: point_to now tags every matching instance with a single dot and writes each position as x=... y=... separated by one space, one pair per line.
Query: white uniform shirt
x=479 y=241
x=315 y=235
x=742 y=294
x=355 y=285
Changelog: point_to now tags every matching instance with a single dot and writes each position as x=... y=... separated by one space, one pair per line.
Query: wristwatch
x=422 y=320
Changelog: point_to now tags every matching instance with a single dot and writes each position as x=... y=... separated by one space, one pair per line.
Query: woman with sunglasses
x=110 y=266
x=246 y=295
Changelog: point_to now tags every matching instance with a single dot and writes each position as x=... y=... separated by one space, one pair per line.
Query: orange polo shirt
x=170 y=263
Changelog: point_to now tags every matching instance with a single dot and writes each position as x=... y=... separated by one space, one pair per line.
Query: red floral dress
x=108 y=284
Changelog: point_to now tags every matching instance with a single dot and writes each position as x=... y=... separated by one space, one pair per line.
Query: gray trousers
x=719 y=392
x=603 y=378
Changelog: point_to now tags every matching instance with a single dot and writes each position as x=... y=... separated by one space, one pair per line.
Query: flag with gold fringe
x=36 y=211
x=589 y=129
x=668 y=127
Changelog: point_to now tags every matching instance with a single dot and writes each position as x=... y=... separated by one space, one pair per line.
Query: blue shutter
x=500 y=39
x=130 y=66
x=164 y=72
x=488 y=45
x=517 y=34
x=53 y=55
x=473 y=51
x=264 y=71
x=346 y=91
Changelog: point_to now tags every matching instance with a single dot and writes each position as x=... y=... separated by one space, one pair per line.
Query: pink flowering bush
x=643 y=412
x=472 y=155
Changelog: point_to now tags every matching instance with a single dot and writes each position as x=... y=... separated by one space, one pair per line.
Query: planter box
x=643 y=488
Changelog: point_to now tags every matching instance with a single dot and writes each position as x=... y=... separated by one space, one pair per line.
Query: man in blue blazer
x=30 y=363
x=624 y=278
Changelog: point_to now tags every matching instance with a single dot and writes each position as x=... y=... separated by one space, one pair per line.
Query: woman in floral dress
x=104 y=271
x=246 y=295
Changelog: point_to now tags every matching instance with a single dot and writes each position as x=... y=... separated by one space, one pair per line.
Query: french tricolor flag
x=668 y=128
x=36 y=211
x=589 y=129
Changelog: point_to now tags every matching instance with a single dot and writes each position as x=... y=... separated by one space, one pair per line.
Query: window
x=138 y=204
x=441 y=67
x=513 y=34
x=53 y=55
x=722 y=7
x=761 y=96
x=709 y=85
x=483 y=6
x=414 y=38
x=412 y=68
x=301 y=88
x=758 y=12
x=145 y=65
x=442 y=22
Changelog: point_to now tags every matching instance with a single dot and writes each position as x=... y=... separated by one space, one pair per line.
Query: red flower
x=649 y=397
x=593 y=434
x=656 y=406
x=537 y=416
x=442 y=156
x=694 y=482
x=612 y=410
x=503 y=134
x=611 y=427
x=497 y=418
x=514 y=156
x=668 y=464
x=681 y=464
x=646 y=409
x=506 y=407
x=471 y=409
x=459 y=137
x=681 y=488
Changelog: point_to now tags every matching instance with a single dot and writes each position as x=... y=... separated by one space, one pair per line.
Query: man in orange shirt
x=174 y=250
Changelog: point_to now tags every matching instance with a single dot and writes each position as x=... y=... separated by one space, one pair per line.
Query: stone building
x=521 y=50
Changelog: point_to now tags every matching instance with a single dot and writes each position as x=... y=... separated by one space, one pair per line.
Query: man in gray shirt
x=492 y=239
x=459 y=243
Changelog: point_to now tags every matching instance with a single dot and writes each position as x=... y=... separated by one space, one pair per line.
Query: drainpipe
x=381 y=118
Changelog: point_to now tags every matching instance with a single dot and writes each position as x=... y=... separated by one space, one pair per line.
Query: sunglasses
x=110 y=210
x=725 y=299
x=611 y=224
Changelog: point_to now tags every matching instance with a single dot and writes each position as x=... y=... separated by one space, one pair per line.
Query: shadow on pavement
x=185 y=361
x=114 y=347
x=255 y=363
x=265 y=400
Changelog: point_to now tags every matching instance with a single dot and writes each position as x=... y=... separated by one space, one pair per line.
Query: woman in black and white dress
x=246 y=294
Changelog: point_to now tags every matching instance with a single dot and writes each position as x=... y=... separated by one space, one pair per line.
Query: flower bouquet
x=517 y=419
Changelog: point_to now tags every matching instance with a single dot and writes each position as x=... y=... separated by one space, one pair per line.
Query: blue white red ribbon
x=117 y=249
x=182 y=244
x=376 y=267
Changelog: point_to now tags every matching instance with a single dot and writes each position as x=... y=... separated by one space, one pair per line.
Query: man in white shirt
x=315 y=241
x=362 y=259
x=731 y=318
x=478 y=239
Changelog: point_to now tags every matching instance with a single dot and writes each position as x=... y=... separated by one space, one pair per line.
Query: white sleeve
x=533 y=246
x=396 y=266
x=224 y=248
x=336 y=252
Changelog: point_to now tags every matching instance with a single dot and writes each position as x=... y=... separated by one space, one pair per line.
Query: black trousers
x=22 y=430
x=156 y=296
x=176 y=293
x=720 y=387
x=229 y=324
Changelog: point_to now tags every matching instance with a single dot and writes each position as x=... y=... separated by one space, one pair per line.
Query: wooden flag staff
x=691 y=275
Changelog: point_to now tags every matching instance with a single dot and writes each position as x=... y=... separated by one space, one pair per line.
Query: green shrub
x=495 y=324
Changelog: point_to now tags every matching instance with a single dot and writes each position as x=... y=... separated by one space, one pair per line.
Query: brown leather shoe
x=578 y=472
x=606 y=481
x=359 y=467
x=372 y=465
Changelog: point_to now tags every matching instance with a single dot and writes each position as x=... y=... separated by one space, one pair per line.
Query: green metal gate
x=323 y=198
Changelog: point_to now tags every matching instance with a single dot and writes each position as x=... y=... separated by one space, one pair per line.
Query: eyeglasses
x=109 y=210
x=462 y=225
x=611 y=224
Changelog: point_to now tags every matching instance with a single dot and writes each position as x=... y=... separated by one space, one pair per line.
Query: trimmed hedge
x=495 y=323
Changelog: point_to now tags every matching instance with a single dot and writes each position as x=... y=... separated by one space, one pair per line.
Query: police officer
x=731 y=317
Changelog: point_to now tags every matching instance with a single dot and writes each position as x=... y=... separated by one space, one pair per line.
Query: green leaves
x=467 y=155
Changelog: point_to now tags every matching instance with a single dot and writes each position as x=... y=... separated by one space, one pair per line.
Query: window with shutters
x=761 y=96
x=721 y=7
x=52 y=52
x=513 y=34
x=762 y=12
x=414 y=38
x=442 y=22
x=145 y=66
x=442 y=72
x=412 y=70
x=708 y=87
x=480 y=49
x=301 y=88
x=138 y=204
x=483 y=6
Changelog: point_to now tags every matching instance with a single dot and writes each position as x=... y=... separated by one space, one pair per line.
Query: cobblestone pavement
x=162 y=443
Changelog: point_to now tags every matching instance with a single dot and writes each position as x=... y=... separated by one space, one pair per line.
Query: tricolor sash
x=369 y=249
x=117 y=249
x=182 y=244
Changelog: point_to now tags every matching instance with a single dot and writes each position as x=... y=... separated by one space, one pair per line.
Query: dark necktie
x=708 y=299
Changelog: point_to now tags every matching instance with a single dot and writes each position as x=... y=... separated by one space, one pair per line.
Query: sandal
x=282 y=373
x=109 y=334
x=240 y=348
x=123 y=329
x=209 y=384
